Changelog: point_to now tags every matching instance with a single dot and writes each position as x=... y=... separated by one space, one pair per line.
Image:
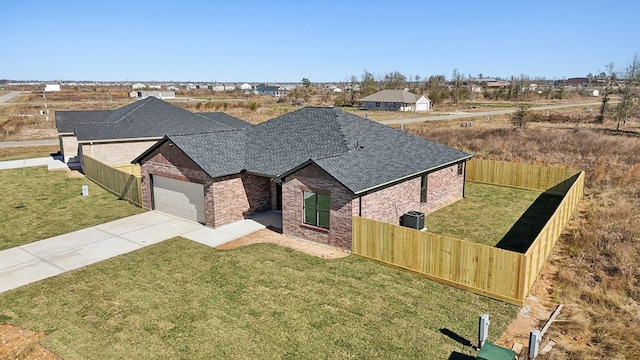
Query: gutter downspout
x=360 y=206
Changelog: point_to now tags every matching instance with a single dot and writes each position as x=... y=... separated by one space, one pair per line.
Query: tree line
x=459 y=87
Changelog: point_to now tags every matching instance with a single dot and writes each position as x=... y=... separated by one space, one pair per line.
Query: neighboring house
x=51 y=87
x=497 y=84
x=116 y=137
x=160 y=94
x=138 y=86
x=222 y=87
x=246 y=86
x=155 y=86
x=172 y=88
x=395 y=100
x=271 y=90
x=319 y=166
x=578 y=82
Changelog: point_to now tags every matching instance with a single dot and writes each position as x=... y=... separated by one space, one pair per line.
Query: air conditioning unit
x=413 y=219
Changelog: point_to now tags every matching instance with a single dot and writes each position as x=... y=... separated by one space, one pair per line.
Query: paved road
x=45 y=142
x=9 y=96
x=481 y=114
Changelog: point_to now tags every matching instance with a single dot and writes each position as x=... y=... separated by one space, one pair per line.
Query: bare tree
x=521 y=117
x=609 y=76
x=457 y=82
x=437 y=88
x=368 y=84
x=629 y=91
x=394 y=80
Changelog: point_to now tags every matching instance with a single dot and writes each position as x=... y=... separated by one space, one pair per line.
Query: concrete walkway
x=39 y=260
x=51 y=162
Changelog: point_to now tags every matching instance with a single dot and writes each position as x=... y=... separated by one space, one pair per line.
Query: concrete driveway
x=39 y=260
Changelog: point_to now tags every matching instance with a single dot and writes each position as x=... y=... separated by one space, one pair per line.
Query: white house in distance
x=160 y=94
x=138 y=86
x=51 y=87
x=395 y=100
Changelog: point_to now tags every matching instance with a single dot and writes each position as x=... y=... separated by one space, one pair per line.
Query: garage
x=180 y=198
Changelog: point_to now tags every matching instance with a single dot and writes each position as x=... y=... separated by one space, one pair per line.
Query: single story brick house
x=115 y=137
x=395 y=100
x=319 y=166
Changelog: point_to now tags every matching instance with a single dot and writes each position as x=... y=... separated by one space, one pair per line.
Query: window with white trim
x=315 y=209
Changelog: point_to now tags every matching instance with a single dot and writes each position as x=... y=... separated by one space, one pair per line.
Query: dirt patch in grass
x=21 y=343
x=267 y=236
x=27 y=152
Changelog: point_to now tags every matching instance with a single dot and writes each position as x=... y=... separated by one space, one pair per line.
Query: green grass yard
x=38 y=204
x=487 y=214
x=180 y=299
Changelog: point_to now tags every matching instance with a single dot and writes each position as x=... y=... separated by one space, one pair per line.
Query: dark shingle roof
x=359 y=153
x=226 y=119
x=218 y=154
x=148 y=118
x=66 y=121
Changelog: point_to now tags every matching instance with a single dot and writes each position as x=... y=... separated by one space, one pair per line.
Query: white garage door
x=180 y=198
x=422 y=106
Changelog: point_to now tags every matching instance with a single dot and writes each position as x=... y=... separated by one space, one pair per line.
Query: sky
x=324 y=41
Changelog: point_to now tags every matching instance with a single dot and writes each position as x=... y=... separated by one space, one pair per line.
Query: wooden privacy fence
x=541 y=247
x=497 y=273
x=129 y=169
x=475 y=267
x=124 y=184
x=524 y=176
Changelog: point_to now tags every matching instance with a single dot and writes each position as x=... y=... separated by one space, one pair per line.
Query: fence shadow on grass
x=460 y=356
x=524 y=232
x=457 y=338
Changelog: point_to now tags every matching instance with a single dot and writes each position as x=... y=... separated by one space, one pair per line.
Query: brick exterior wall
x=238 y=196
x=312 y=178
x=388 y=204
x=227 y=199
x=443 y=188
x=116 y=153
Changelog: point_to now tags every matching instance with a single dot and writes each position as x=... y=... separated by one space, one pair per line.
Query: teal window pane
x=309 y=200
x=323 y=219
x=323 y=202
x=310 y=216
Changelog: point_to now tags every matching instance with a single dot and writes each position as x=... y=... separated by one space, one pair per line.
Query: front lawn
x=486 y=214
x=37 y=204
x=180 y=299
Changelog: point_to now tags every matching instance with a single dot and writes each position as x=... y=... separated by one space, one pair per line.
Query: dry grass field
x=595 y=269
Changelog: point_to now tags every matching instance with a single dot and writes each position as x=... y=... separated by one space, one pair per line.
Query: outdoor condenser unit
x=413 y=219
